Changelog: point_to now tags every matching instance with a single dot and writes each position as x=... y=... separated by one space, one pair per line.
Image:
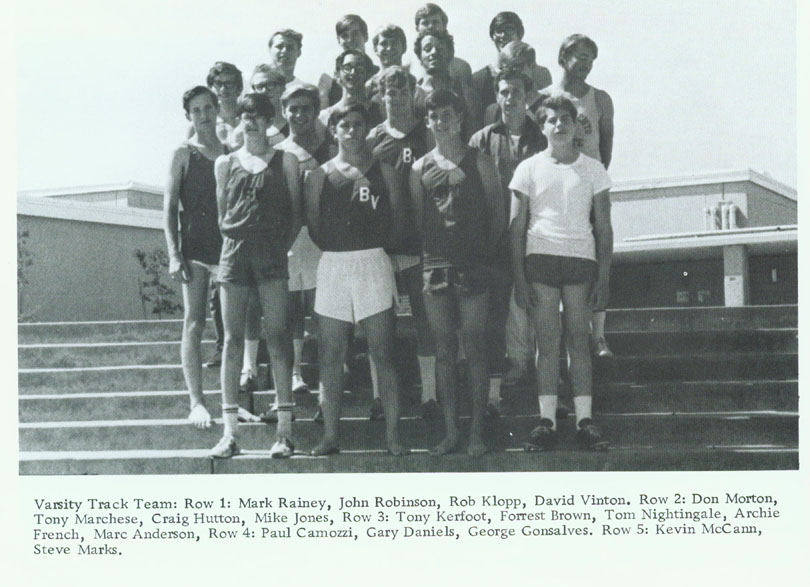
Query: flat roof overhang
x=764 y=240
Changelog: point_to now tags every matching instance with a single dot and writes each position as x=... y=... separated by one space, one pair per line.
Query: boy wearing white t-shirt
x=562 y=242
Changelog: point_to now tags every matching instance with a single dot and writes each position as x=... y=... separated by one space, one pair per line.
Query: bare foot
x=476 y=446
x=199 y=417
x=325 y=448
x=397 y=450
x=244 y=416
x=446 y=446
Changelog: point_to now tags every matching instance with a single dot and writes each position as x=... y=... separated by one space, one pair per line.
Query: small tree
x=150 y=284
x=25 y=258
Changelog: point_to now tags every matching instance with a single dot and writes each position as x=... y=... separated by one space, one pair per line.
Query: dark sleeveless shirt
x=200 y=239
x=401 y=154
x=354 y=214
x=258 y=205
x=456 y=217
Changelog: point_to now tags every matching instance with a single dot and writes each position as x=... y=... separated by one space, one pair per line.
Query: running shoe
x=601 y=348
x=282 y=449
x=298 y=384
x=543 y=437
x=225 y=448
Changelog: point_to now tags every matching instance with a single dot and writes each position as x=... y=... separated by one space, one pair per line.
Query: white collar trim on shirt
x=394 y=132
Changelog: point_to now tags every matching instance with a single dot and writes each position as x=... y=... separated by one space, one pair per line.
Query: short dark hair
x=268 y=70
x=339 y=112
x=430 y=9
x=511 y=73
x=344 y=23
x=443 y=36
x=504 y=18
x=256 y=105
x=516 y=53
x=221 y=67
x=304 y=91
x=397 y=77
x=572 y=40
x=367 y=62
x=555 y=102
x=391 y=31
x=288 y=34
x=443 y=97
x=189 y=95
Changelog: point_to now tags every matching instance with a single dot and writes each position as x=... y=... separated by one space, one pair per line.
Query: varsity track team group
x=484 y=197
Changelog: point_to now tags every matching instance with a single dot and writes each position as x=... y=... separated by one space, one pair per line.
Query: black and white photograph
x=492 y=272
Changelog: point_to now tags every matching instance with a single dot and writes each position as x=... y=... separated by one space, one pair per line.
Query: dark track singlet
x=456 y=217
x=200 y=239
x=258 y=205
x=401 y=154
x=354 y=214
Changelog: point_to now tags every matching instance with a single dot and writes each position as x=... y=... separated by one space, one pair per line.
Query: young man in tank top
x=353 y=207
x=430 y=18
x=270 y=82
x=308 y=143
x=352 y=34
x=194 y=251
x=225 y=81
x=352 y=70
x=399 y=141
x=514 y=138
x=459 y=214
x=562 y=241
x=389 y=45
x=434 y=50
x=259 y=205
x=594 y=132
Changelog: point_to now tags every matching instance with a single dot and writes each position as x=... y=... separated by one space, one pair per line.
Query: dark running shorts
x=464 y=281
x=556 y=271
x=249 y=262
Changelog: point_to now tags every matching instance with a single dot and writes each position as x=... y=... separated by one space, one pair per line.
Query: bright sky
x=697 y=85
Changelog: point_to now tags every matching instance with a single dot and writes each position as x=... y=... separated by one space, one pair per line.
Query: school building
x=711 y=239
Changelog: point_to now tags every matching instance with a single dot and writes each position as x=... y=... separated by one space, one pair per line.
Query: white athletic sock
x=582 y=407
x=495 y=389
x=598 y=324
x=230 y=418
x=298 y=352
x=375 y=379
x=548 y=409
x=249 y=358
x=427 y=373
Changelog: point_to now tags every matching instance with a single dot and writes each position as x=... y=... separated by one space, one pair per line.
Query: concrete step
x=634 y=369
x=104 y=354
x=695 y=366
x=71 y=355
x=701 y=319
x=195 y=461
x=662 y=431
x=103 y=331
x=642 y=319
x=660 y=397
x=709 y=341
x=33 y=333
